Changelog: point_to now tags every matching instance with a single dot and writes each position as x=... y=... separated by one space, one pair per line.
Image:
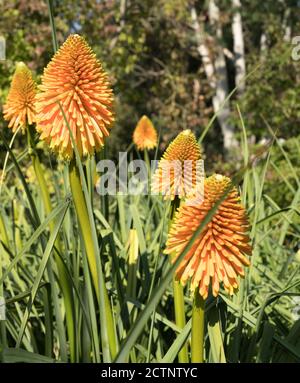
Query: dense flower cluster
x=75 y=91
x=218 y=254
x=19 y=109
x=179 y=170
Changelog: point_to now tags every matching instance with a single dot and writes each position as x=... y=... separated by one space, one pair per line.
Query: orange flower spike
x=178 y=171
x=145 y=135
x=74 y=78
x=19 y=109
x=218 y=254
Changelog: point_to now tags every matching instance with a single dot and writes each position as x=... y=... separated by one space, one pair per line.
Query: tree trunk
x=123 y=6
x=216 y=73
x=263 y=45
x=238 y=47
x=202 y=49
x=219 y=104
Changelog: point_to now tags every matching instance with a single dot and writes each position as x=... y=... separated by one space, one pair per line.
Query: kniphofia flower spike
x=219 y=253
x=19 y=109
x=179 y=172
x=145 y=135
x=74 y=81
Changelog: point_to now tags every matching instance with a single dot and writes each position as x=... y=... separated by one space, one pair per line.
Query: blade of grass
x=35 y=215
x=53 y=29
x=40 y=272
x=54 y=214
x=177 y=344
x=215 y=336
x=17 y=355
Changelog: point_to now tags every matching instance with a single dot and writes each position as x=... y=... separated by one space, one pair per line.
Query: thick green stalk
x=132 y=264
x=64 y=279
x=197 y=328
x=180 y=317
x=86 y=230
x=179 y=297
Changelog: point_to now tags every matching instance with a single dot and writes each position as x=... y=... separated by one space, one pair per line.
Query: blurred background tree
x=176 y=61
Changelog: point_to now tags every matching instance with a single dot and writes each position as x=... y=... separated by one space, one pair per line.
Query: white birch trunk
x=203 y=49
x=263 y=43
x=216 y=73
x=123 y=6
x=238 y=47
x=221 y=82
x=263 y=46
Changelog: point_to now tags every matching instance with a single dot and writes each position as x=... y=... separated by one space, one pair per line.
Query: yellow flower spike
x=178 y=171
x=75 y=79
x=19 y=108
x=145 y=135
x=218 y=255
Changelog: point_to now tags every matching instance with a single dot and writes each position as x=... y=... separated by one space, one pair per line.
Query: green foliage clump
x=282 y=180
x=272 y=93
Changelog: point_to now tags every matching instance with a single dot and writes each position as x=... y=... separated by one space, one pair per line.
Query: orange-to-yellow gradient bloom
x=218 y=254
x=145 y=135
x=74 y=81
x=179 y=171
x=19 y=109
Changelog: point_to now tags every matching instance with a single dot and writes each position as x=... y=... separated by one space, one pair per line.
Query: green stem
x=132 y=264
x=197 y=328
x=3 y=232
x=180 y=317
x=64 y=279
x=4 y=239
x=105 y=197
x=179 y=297
x=86 y=230
x=147 y=161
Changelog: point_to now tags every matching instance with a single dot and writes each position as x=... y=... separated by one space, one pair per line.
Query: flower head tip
x=145 y=135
